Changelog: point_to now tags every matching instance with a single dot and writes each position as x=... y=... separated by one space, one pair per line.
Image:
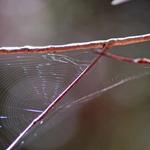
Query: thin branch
x=127 y=59
x=76 y=46
x=51 y=105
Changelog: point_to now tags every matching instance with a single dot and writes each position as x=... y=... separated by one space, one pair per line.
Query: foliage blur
x=117 y=119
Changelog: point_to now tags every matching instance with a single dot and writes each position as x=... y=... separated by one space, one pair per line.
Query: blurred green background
x=120 y=117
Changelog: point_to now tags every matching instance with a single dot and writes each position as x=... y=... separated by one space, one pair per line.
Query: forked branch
x=104 y=45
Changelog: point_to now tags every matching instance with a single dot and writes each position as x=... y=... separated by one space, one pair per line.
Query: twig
x=51 y=105
x=127 y=59
x=76 y=46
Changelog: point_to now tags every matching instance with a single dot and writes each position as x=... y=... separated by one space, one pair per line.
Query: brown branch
x=127 y=59
x=76 y=46
x=104 y=45
x=51 y=105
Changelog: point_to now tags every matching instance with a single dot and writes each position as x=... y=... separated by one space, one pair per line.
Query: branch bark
x=76 y=46
x=127 y=59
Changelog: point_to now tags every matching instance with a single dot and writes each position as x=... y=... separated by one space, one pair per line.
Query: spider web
x=60 y=124
x=29 y=83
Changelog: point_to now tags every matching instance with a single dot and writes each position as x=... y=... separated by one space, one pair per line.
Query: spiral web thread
x=29 y=83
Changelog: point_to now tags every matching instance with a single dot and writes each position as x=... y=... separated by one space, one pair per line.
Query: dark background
x=119 y=118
